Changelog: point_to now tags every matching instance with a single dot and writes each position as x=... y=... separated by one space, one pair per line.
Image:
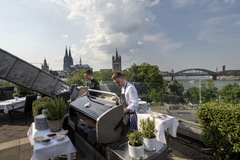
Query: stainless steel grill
x=96 y=119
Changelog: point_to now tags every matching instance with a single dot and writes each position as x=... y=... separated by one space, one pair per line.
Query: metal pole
x=200 y=102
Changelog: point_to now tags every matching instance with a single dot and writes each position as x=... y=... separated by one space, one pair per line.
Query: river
x=193 y=81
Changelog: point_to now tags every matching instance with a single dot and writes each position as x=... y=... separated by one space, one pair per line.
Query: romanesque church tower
x=116 y=63
x=68 y=61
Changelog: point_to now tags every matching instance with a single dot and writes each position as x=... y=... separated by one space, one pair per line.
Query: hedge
x=39 y=105
x=220 y=124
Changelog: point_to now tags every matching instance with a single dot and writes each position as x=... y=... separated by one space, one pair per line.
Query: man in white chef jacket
x=129 y=100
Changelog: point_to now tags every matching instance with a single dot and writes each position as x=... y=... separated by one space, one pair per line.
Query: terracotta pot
x=135 y=151
x=55 y=125
x=149 y=144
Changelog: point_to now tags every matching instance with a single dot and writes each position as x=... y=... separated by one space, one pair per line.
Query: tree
x=103 y=75
x=76 y=77
x=176 y=88
x=155 y=96
x=209 y=91
x=145 y=77
x=143 y=73
x=131 y=74
x=230 y=93
x=193 y=94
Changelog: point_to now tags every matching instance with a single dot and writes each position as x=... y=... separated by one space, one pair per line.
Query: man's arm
x=133 y=98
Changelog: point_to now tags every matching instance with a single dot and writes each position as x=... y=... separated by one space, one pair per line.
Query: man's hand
x=126 y=110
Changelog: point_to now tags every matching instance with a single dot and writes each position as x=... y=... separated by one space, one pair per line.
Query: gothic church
x=116 y=63
x=68 y=61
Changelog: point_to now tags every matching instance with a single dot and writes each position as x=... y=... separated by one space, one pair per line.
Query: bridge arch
x=195 y=72
x=229 y=73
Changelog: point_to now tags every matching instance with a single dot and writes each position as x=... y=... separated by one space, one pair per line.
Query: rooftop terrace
x=14 y=144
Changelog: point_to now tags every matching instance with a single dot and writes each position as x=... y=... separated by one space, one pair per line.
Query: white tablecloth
x=161 y=125
x=53 y=149
x=7 y=104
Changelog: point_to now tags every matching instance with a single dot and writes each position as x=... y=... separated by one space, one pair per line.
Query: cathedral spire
x=66 y=52
x=45 y=62
x=70 y=55
x=80 y=61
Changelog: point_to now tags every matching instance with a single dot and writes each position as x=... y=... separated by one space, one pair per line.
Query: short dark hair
x=117 y=75
x=88 y=72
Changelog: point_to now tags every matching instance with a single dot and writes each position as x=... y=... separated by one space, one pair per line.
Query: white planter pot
x=16 y=98
x=149 y=144
x=135 y=152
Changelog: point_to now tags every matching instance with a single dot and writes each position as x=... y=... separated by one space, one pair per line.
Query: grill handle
x=99 y=91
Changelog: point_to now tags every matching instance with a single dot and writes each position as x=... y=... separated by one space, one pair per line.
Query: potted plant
x=148 y=129
x=16 y=95
x=55 y=111
x=39 y=95
x=135 y=144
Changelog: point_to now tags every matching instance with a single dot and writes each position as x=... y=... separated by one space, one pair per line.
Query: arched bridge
x=202 y=72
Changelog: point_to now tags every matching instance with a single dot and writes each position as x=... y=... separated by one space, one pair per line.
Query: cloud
x=154 y=3
x=237 y=23
x=229 y=1
x=205 y=35
x=216 y=29
x=182 y=3
x=65 y=36
x=164 y=44
x=115 y=23
x=218 y=5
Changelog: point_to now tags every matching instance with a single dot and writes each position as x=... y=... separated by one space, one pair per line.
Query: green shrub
x=220 y=124
x=148 y=128
x=24 y=90
x=39 y=105
x=135 y=138
x=4 y=83
x=15 y=94
x=56 y=109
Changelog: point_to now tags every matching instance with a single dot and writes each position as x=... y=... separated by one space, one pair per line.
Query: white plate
x=64 y=132
x=46 y=141
x=60 y=138
x=38 y=139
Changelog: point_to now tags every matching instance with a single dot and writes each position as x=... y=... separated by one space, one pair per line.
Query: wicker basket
x=55 y=125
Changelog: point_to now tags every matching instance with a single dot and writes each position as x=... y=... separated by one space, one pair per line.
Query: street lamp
x=200 y=101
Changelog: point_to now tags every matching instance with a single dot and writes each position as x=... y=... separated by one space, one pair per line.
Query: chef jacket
x=131 y=96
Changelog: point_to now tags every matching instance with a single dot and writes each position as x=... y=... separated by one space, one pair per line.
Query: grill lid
x=107 y=115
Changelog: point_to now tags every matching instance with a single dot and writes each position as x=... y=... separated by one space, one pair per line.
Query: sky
x=172 y=34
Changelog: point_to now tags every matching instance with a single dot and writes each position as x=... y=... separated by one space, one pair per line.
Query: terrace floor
x=14 y=144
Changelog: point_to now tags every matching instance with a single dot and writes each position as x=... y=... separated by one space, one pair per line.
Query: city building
x=81 y=66
x=67 y=61
x=68 y=66
x=116 y=62
x=223 y=68
x=45 y=67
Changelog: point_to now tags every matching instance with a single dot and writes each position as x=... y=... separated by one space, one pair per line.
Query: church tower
x=116 y=63
x=45 y=67
x=67 y=61
x=70 y=57
x=80 y=62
